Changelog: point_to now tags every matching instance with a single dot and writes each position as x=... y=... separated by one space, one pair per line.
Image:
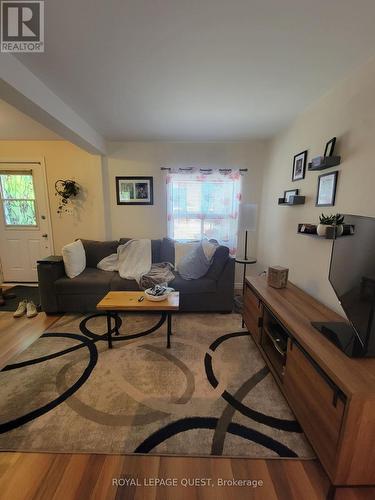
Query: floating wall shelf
x=323 y=162
x=311 y=230
x=294 y=200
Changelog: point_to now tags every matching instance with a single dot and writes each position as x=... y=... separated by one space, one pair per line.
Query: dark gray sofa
x=58 y=293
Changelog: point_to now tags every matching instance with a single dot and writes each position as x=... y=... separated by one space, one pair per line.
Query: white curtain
x=204 y=203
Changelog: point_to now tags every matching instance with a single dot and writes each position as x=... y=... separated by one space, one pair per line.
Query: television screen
x=352 y=276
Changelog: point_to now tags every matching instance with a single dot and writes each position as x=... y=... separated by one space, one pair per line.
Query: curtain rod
x=205 y=169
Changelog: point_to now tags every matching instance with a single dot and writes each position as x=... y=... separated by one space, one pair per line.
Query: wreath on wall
x=65 y=189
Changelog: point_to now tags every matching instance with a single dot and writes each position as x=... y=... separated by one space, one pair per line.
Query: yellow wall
x=65 y=161
x=347 y=112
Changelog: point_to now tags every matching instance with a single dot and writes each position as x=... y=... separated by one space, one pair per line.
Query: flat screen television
x=352 y=276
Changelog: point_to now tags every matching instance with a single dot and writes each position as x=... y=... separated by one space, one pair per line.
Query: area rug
x=21 y=292
x=210 y=394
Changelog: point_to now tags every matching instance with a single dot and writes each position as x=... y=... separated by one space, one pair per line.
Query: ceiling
x=15 y=125
x=198 y=69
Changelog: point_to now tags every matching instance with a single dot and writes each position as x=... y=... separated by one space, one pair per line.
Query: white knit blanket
x=132 y=260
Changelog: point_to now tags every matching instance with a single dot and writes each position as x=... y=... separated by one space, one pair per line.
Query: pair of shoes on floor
x=25 y=306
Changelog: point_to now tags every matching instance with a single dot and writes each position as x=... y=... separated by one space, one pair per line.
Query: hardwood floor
x=46 y=476
x=93 y=476
x=17 y=334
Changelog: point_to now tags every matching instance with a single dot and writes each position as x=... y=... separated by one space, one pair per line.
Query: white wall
x=146 y=158
x=22 y=89
x=347 y=112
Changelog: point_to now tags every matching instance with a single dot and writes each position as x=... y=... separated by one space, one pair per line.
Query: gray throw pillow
x=167 y=253
x=97 y=250
x=195 y=264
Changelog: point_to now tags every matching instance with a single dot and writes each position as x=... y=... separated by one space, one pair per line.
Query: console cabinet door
x=252 y=312
x=314 y=400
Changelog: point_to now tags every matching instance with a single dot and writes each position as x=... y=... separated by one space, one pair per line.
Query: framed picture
x=134 y=191
x=330 y=147
x=299 y=166
x=289 y=193
x=327 y=189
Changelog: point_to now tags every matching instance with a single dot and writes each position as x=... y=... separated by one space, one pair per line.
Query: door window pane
x=19 y=212
x=17 y=186
x=18 y=198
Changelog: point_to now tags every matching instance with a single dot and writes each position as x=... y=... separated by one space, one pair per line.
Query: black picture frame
x=299 y=166
x=330 y=147
x=327 y=182
x=290 y=192
x=134 y=190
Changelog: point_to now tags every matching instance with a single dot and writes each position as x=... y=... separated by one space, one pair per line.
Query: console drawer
x=252 y=312
x=317 y=402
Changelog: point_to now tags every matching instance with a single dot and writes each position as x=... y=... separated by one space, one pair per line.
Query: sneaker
x=21 y=309
x=31 y=309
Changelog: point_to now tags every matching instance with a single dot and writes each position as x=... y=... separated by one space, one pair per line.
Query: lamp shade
x=248 y=217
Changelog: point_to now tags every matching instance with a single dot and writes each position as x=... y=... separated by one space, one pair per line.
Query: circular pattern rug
x=210 y=394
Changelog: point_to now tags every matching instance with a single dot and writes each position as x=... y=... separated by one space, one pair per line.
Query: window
x=204 y=205
x=18 y=198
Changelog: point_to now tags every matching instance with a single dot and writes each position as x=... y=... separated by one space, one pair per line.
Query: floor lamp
x=247 y=223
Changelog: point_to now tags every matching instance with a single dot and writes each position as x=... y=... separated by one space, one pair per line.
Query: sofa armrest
x=51 y=259
x=225 y=283
x=49 y=270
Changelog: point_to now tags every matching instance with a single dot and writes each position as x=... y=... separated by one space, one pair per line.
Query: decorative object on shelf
x=289 y=194
x=330 y=147
x=134 y=190
x=307 y=228
x=331 y=223
x=323 y=162
x=299 y=166
x=330 y=233
x=277 y=276
x=328 y=160
x=66 y=189
x=327 y=184
x=291 y=198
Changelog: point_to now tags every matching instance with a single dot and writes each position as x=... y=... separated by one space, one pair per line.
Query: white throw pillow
x=74 y=257
x=181 y=249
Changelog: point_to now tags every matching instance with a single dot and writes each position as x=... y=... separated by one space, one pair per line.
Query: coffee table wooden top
x=128 y=301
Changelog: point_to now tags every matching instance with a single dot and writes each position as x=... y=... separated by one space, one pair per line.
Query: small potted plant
x=66 y=189
x=332 y=220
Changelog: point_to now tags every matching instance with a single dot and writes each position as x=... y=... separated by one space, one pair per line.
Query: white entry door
x=24 y=220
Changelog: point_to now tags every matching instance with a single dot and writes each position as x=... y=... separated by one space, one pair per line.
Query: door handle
x=45 y=235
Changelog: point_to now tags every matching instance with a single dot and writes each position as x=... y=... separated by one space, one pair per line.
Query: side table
x=245 y=261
